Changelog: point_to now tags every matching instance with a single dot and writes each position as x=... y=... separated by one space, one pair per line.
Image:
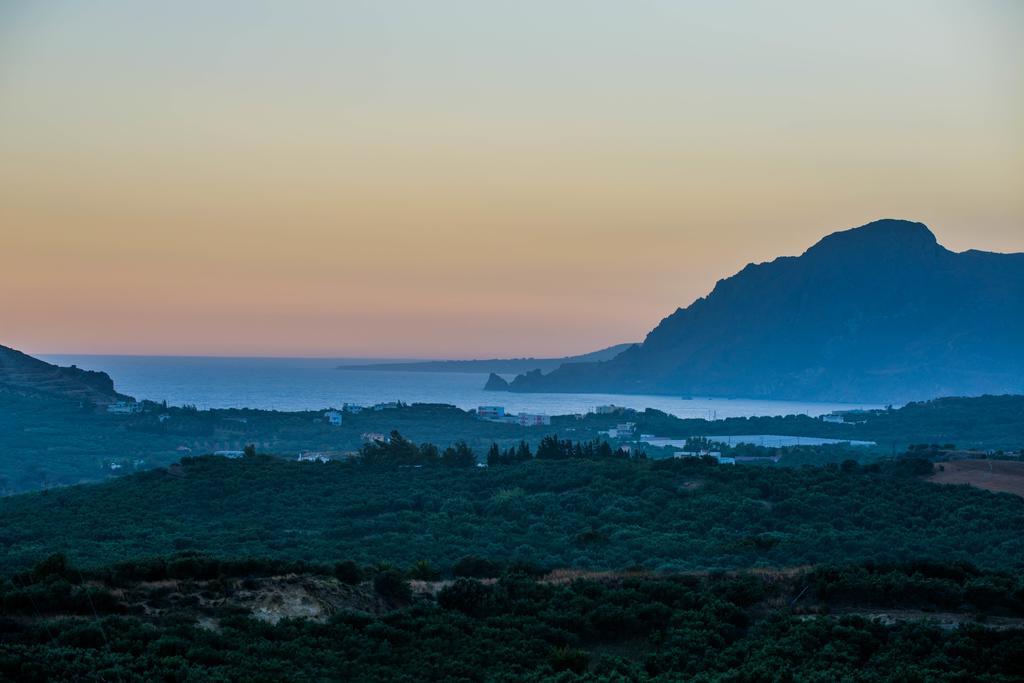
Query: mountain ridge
x=878 y=313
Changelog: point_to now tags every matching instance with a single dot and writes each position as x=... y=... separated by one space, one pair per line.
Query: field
x=999 y=476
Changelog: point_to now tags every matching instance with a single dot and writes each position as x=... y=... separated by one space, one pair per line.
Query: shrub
x=424 y=571
x=391 y=585
x=348 y=572
x=466 y=596
x=475 y=567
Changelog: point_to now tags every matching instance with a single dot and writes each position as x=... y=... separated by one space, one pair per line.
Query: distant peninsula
x=25 y=375
x=495 y=365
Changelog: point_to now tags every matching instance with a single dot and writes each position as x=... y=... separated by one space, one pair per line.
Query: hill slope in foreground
x=190 y=618
x=307 y=567
x=880 y=313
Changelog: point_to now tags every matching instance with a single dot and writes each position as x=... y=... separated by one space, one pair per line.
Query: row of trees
x=398 y=450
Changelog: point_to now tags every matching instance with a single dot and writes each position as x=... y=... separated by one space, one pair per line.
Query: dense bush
x=605 y=513
x=476 y=567
x=391 y=585
x=746 y=627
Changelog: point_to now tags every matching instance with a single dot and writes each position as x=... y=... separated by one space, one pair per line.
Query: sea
x=294 y=384
x=767 y=440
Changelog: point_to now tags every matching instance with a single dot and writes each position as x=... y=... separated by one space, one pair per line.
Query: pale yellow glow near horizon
x=463 y=179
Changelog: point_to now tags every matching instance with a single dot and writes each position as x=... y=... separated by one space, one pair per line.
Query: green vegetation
x=984 y=422
x=586 y=513
x=180 y=619
x=48 y=441
x=564 y=559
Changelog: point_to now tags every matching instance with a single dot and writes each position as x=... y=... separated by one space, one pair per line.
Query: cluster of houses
x=497 y=414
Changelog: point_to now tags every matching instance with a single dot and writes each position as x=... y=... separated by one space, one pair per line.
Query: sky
x=471 y=179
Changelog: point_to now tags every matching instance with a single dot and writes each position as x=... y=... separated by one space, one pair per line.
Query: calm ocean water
x=314 y=383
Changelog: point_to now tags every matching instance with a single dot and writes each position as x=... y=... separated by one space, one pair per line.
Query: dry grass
x=1000 y=476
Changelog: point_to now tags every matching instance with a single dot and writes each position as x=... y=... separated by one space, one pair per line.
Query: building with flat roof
x=490 y=412
x=534 y=420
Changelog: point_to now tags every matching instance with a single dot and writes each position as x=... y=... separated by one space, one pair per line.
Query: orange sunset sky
x=471 y=179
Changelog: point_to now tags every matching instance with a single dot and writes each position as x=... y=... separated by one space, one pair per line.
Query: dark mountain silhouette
x=494 y=365
x=879 y=313
x=23 y=374
x=496 y=382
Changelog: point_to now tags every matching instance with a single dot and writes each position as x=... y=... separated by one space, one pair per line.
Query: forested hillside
x=604 y=513
x=190 y=618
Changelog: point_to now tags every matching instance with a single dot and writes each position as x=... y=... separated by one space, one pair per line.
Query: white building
x=835 y=418
x=491 y=412
x=625 y=430
x=124 y=407
x=719 y=458
x=352 y=408
x=334 y=417
x=230 y=454
x=390 y=405
x=314 y=457
x=534 y=420
x=606 y=410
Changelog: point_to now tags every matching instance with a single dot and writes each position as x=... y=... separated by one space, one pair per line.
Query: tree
x=494 y=456
x=348 y=572
x=523 y=453
x=461 y=455
x=391 y=585
x=476 y=568
x=429 y=454
x=424 y=571
x=466 y=596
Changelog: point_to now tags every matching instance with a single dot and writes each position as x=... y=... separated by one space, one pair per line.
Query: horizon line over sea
x=296 y=384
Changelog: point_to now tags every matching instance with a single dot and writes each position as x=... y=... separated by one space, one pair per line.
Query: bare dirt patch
x=269 y=598
x=1000 y=476
x=944 y=620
